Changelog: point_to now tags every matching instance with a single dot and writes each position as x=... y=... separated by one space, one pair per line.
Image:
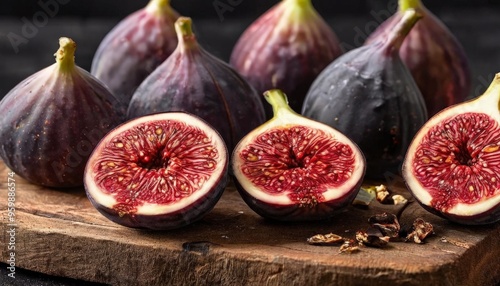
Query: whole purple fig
x=51 y=121
x=369 y=95
x=194 y=81
x=434 y=56
x=286 y=48
x=135 y=47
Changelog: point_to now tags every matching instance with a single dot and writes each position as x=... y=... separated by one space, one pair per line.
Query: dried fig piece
x=420 y=231
x=292 y=168
x=452 y=166
x=325 y=239
x=51 y=121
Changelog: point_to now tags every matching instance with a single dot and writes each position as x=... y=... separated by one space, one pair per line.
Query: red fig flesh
x=135 y=47
x=453 y=164
x=292 y=168
x=161 y=171
x=286 y=48
x=52 y=120
x=194 y=81
x=434 y=57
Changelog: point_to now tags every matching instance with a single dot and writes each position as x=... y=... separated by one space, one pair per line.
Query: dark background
x=476 y=24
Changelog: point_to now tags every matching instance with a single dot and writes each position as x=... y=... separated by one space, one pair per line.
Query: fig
x=295 y=169
x=285 y=48
x=452 y=166
x=369 y=95
x=53 y=119
x=135 y=47
x=194 y=81
x=433 y=55
x=160 y=171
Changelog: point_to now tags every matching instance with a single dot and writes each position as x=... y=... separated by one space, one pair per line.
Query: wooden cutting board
x=60 y=233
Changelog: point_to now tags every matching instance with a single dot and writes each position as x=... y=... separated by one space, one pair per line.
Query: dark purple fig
x=51 y=121
x=160 y=171
x=286 y=48
x=295 y=169
x=194 y=81
x=435 y=58
x=369 y=95
x=452 y=167
x=136 y=47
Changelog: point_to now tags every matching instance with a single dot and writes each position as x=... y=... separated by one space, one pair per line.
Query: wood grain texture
x=60 y=233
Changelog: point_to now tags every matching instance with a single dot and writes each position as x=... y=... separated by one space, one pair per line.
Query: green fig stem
x=409 y=4
x=493 y=92
x=65 y=55
x=278 y=101
x=159 y=6
x=298 y=10
x=401 y=30
x=184 y=30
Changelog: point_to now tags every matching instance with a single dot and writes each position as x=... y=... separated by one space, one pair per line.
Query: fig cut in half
x=161 y=171
x=295 y=169
x=453 y=164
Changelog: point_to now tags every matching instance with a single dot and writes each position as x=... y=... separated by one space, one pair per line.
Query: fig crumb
x=325 y=239
x=421 y=230
x=349 y=246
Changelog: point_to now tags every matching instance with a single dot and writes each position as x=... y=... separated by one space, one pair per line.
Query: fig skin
x=153 y=217
x=464 y=143
x=194 y=81
x=321 y=188
x=135 y=47
x=52 y=120
x=369 y=95
x=285 y=48
x=434 y=57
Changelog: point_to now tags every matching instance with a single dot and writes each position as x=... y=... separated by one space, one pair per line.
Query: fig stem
x=184 y=30
x=401 y=30
x=278 y=101
x=409 y=4
x=65 y=55
x=159 y=6
x=493 y=91
x=297 y=9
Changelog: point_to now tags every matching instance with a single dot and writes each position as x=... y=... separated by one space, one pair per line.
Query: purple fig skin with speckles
x=135 y=48
x=194 y=81
x=434 y=57
x=51 y=121
x=286 y=48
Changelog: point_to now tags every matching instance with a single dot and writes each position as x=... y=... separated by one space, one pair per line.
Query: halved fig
x=294 y=169
x=452 y=167
x=161 y=171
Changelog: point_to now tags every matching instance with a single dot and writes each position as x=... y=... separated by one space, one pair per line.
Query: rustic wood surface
x=60 y=233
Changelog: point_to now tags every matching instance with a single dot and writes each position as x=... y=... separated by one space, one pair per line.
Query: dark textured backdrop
x=476 y=24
